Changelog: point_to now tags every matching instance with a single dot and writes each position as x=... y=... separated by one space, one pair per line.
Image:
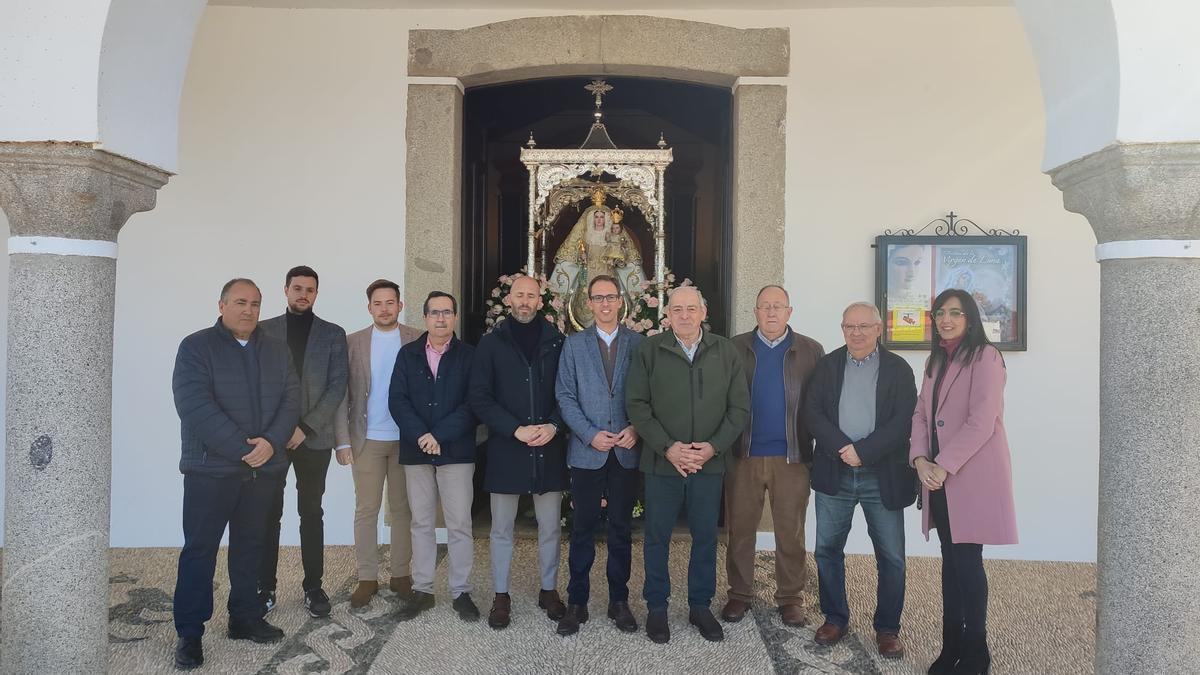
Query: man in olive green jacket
x=686 y=395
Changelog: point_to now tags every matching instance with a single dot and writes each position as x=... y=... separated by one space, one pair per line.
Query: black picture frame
x=910 y=270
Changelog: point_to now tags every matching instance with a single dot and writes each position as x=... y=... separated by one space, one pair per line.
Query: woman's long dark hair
x=974 y=339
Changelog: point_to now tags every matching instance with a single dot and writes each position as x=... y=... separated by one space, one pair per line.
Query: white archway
x=1115 y=73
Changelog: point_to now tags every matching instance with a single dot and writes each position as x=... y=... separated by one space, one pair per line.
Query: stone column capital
x=72 y=190
x=1135 y=191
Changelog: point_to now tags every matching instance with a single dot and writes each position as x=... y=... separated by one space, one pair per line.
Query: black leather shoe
x=657 y=627
x=257 y=630
x=621 y=617
x=569 y=624
x=975 y=659
x=465 y=606
x=703 y=619
x=951 y=648
x=414 y=605
x=189 y=653
x=317 y=603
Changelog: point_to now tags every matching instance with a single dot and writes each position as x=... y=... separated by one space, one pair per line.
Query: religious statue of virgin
x=597 y=244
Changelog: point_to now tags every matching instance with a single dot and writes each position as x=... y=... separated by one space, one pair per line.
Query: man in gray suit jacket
x=318 y=350
x=602 y=454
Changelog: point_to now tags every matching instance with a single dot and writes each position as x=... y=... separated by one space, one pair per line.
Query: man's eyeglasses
x=857 y=327
x=611 y=297
x=952 y=313
x=440 y=313
x=772 y=308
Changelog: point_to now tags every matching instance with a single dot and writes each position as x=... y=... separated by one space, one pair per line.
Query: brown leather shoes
x=735 y=610
x=401 y=585
x=501 y=609
x=363 y=592
x=549 y=601
x=829 y=634
x=889 y=645
x=792 y=615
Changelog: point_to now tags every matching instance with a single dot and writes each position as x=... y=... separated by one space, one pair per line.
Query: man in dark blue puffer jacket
x=238 y=400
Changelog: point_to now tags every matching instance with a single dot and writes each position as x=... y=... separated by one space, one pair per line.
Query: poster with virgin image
x=910 y=271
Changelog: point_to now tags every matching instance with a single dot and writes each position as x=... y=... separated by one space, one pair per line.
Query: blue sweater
x=768 y=402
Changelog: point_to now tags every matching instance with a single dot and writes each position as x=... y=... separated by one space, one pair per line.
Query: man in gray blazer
x=602 y=454
x=318 y=350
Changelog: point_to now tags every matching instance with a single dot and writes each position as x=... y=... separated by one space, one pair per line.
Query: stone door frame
x=752 y=62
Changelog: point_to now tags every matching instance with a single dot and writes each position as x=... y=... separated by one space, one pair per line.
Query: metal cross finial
x=599 y=88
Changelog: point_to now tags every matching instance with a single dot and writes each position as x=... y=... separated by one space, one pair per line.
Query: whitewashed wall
x=292 y=151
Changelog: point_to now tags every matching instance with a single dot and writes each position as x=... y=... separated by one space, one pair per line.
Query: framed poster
x=910 y=271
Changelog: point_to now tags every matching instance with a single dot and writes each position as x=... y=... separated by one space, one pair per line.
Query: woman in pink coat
x=961 y=456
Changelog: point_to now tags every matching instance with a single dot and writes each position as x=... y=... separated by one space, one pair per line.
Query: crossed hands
x=297 y=438
x=850 y=456
x=930 y=474
x=260 y=454
x=429 y=445
x=534 y=435
x=688 y=458
x=606 y=440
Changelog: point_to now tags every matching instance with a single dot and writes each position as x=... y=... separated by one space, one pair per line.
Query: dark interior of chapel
x=695 y=121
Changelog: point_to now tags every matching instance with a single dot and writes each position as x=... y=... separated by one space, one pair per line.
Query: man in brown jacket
x=772 y=457
x=369 y=441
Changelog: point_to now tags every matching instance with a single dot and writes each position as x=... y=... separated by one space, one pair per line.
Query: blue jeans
x=700 y=494
x=886 y=529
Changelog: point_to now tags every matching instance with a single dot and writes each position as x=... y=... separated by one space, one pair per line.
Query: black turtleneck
x=298 y=328
x=527 y=335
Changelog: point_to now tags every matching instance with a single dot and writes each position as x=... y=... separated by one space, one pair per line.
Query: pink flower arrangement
x=644 y=314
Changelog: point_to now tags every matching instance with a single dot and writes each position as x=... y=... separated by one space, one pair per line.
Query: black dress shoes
x=975 y=658
x=657 y=628
x=702 y=618
x=467 y=611
x=414 y=605
x=621 y=617
x=257 y=630
x=189 y=653
x=569 y=624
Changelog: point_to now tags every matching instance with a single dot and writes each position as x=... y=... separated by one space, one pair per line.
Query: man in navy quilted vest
x=238 y=400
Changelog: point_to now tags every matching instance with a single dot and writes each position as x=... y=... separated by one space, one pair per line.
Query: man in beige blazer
x=369 y=441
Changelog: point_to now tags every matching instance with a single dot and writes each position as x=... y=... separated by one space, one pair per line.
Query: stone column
x=65 y=204
x=1143 y=201
x=433 y=176
x=759 y=161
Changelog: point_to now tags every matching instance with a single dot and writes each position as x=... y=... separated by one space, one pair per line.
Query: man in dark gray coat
x=318 y=350
x=512 y=392
x=238 y=400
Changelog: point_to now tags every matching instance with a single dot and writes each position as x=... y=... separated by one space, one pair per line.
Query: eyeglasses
x=440 y=313
x=857 y=327
x=772 y=308
x=611 y=297
x=952 y=313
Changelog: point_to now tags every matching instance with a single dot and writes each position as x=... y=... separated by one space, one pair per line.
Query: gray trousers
x=547 y=507
x=452 y=483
